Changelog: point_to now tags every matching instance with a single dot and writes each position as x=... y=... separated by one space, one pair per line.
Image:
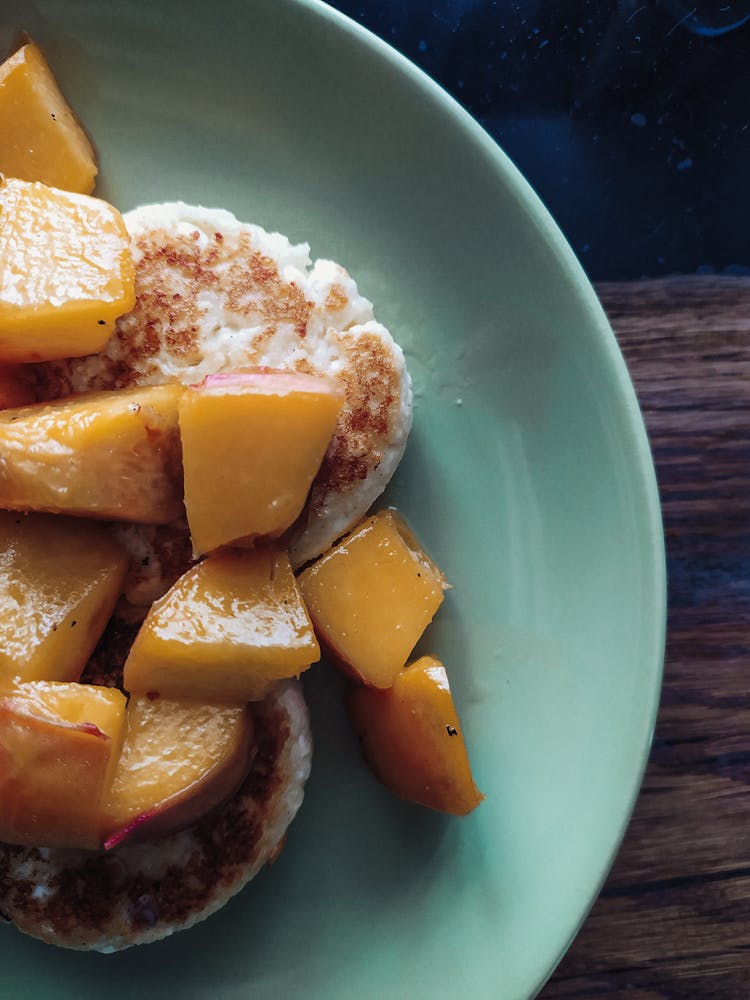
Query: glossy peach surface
x=104 y=455
x=66 y=272
x=178 y=761
x=59 y=580
x=59 y=744
x=371 y=597
x=411 y=736
x=226 y=631
x=252 y=443
x=42 y=139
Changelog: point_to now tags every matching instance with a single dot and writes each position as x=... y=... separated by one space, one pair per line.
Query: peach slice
x=59 y=581
x=252 y=443
x=371 y=597
x=411 y=737
x=102 y=454
x=42 y=138
x=226 y=632
x=179 y=760
x=66 y=272
x=59 y=745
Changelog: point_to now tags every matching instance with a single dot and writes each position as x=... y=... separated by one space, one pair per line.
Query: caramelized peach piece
x=371 y=597
x=179 y=760
x=42 y=138
x=59 y=745
x=102 y=454
x=226 y=632
x=66 y=272
x=252 y=443
x=411 y=738
x=59 y=581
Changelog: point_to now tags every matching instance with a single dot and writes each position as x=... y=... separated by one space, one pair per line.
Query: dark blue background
x=631 y=120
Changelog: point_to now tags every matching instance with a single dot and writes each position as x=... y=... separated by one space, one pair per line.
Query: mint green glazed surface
x=527 y=477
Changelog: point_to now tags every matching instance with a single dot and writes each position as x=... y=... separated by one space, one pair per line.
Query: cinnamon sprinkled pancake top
x=214 y=294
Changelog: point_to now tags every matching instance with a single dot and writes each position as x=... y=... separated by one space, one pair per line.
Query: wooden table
x=673 y=920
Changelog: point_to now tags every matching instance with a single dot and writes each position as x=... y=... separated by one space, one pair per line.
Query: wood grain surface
x=673 y=921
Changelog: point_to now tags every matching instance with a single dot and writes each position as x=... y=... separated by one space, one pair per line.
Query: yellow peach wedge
x=252 y=443
x=107 y=455
x=59 y=581
x=179 y=760
x=227 y=631
x=371 y=597
x=42 y=138
x=66 y=272
x=411 y=737
x=59 y=744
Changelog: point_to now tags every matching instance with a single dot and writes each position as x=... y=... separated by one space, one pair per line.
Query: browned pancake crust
x=189 y=283
x=111 y=900
x=167 y=317
x=93 y=900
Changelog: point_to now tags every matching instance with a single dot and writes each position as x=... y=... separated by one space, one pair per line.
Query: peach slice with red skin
x=179 y=760
x=59 y=744
x=371 y=597
x=411 y=738
x=252 y=442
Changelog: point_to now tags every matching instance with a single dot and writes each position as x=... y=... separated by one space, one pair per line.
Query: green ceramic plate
x=528 y=477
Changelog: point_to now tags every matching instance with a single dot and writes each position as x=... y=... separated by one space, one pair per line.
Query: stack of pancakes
x=214 y=294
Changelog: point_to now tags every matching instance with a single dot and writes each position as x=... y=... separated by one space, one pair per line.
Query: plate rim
x=642 y=461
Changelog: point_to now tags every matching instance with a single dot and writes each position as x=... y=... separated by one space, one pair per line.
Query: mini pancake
x=144 y=892
x=214 y=294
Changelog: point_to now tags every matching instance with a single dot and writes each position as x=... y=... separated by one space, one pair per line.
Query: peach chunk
x=101 y=454
x=42 y=138
x=411 y=737
x=372 y=596
x=66 y=272
x=59 y=745
x=252 y=443
x=59 y=581
x=226 y=632
x=179 y=760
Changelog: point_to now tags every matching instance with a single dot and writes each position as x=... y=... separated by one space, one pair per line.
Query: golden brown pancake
x=143 y=892
x=214 y=294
